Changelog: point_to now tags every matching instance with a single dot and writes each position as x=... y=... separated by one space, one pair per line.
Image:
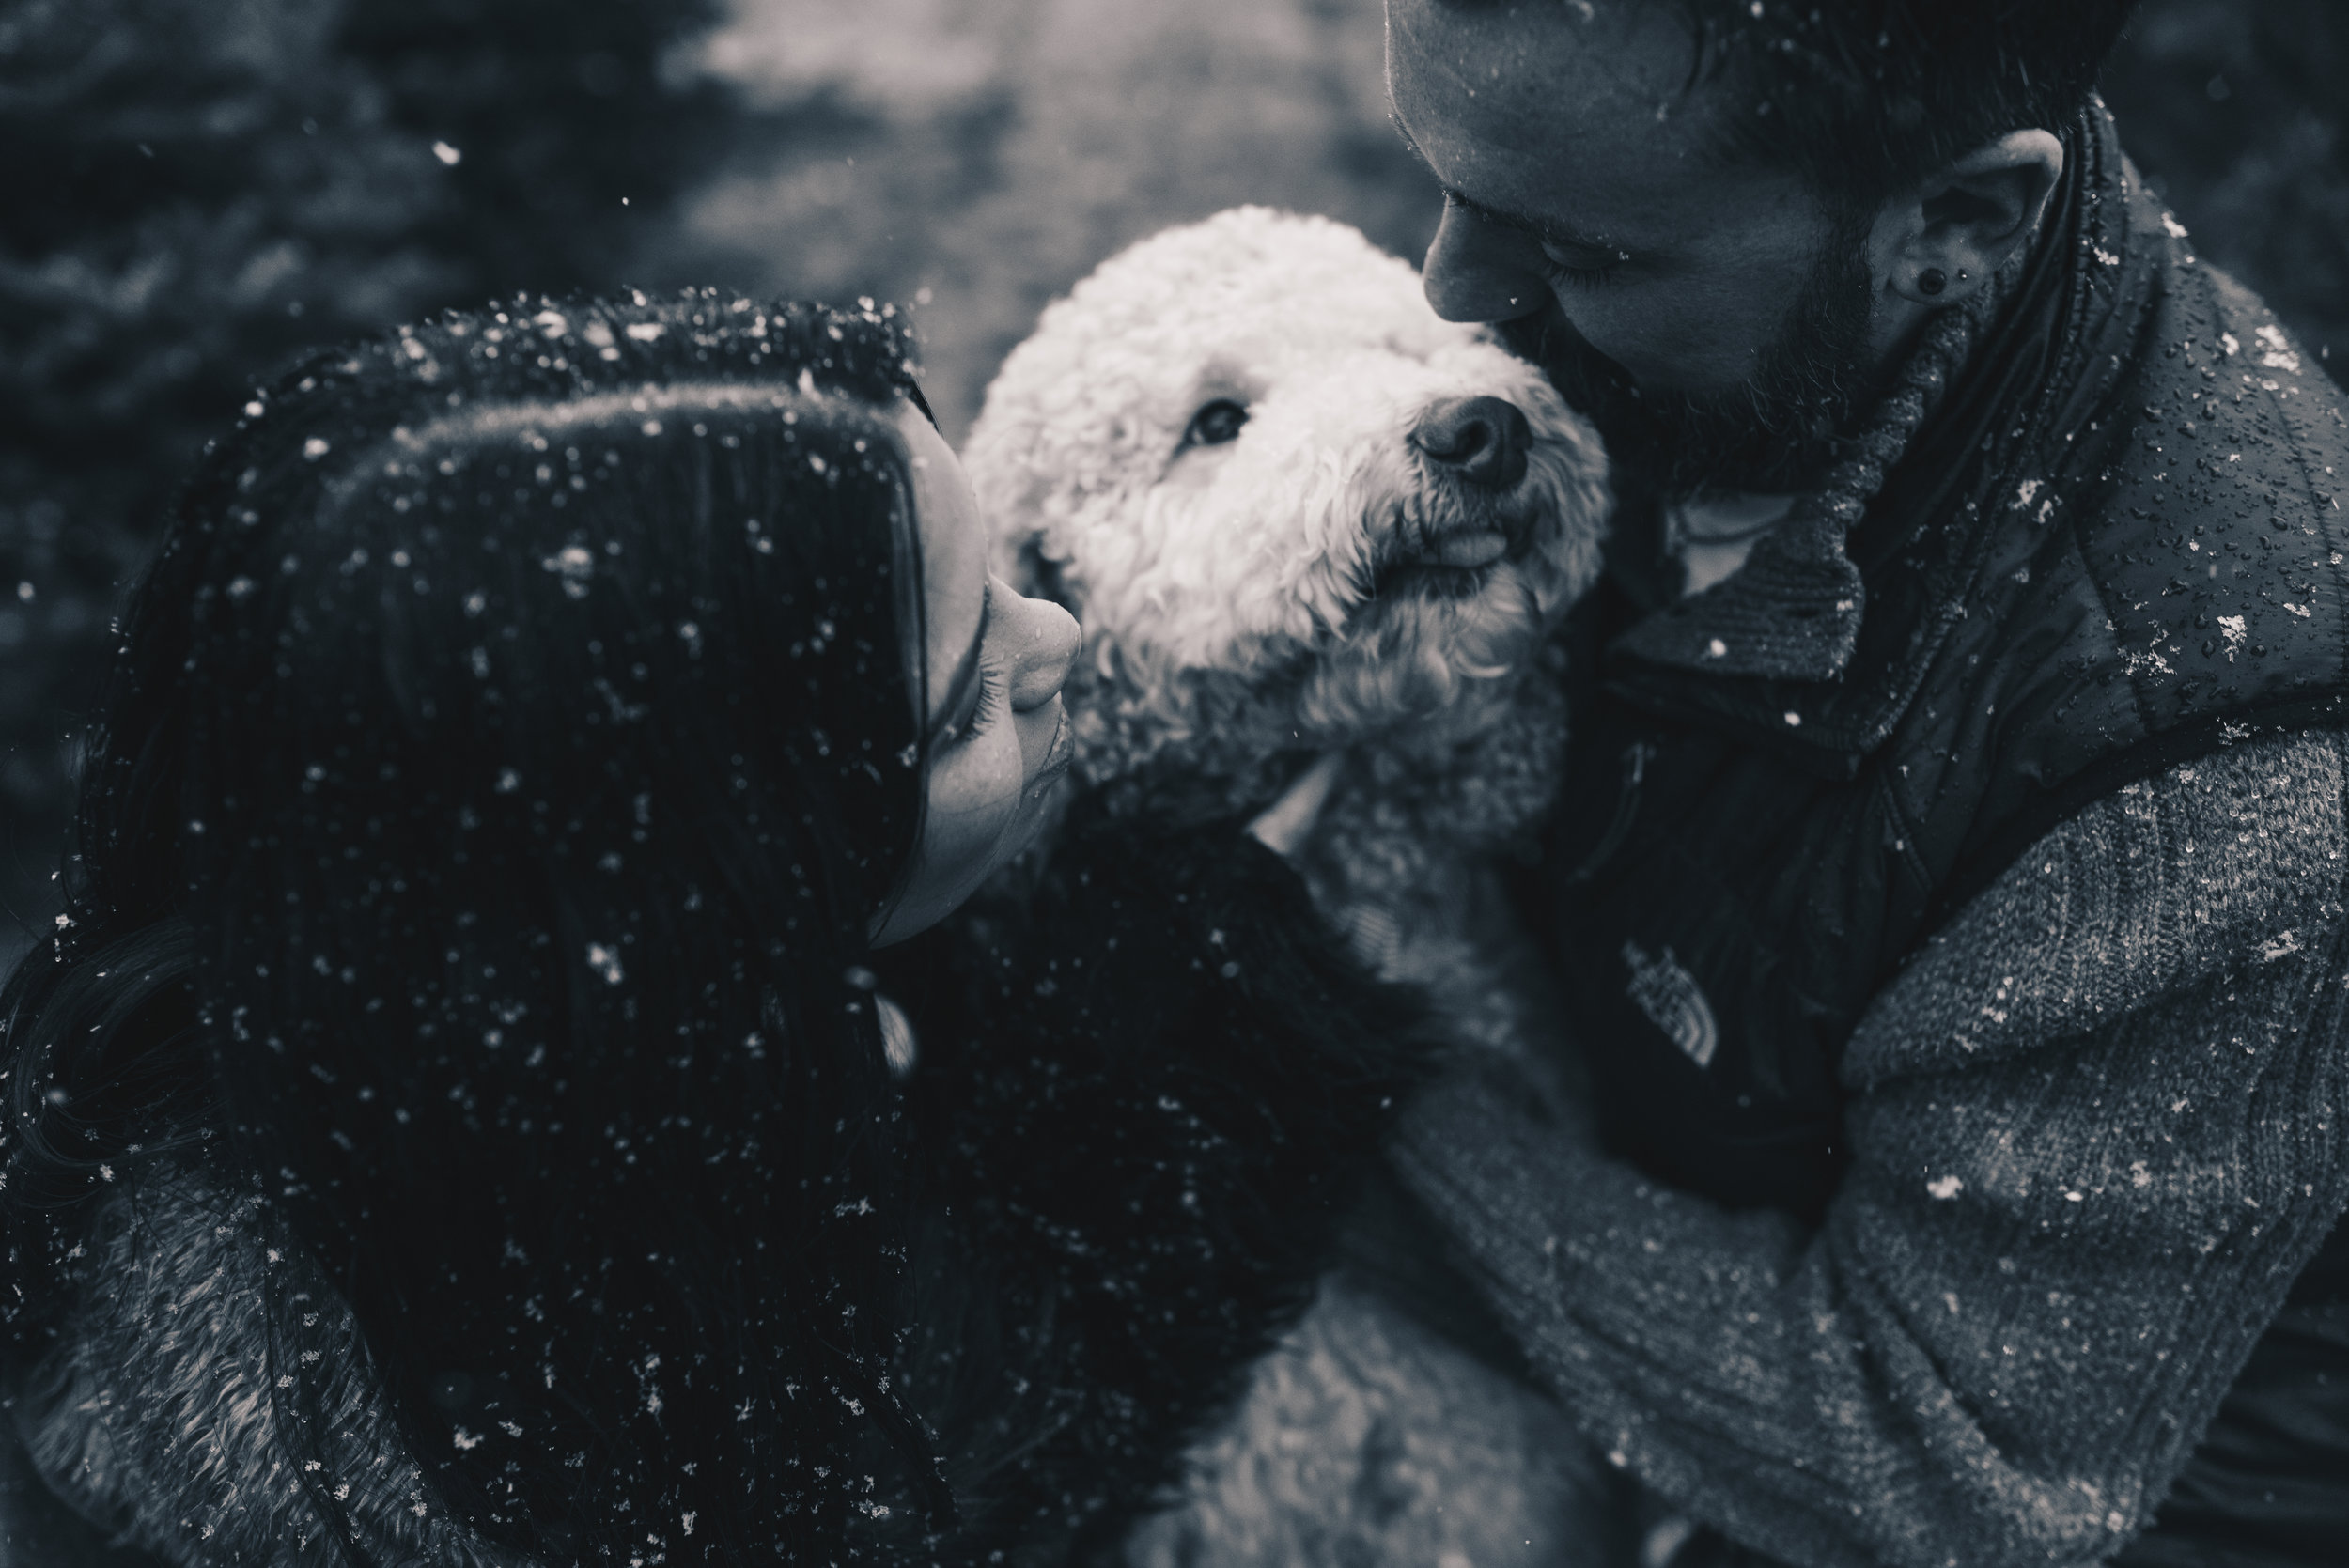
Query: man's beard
x=1777 y=431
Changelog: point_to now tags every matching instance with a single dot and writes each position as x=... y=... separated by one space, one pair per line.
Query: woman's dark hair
x=1865 y=97
x=510 y=748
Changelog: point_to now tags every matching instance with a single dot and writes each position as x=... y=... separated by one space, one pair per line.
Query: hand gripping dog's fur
x=1299 y=515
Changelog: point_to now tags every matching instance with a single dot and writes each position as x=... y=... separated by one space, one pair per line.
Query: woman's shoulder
x=145 y=1328
x=38 y=1531
x=150 y=1410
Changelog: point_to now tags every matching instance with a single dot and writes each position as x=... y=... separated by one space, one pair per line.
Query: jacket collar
x=1815 y=648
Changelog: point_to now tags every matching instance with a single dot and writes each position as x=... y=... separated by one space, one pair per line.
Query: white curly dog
x=1309 y=525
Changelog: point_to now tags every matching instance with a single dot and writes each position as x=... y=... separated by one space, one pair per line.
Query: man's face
x=1713 y=322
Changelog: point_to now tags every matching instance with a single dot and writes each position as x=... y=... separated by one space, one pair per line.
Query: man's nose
x=1476 y=272
x=1044 y=641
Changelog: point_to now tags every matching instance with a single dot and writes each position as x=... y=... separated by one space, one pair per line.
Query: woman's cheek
x=973 y=797
x=1006 y=783
x=1006 y=788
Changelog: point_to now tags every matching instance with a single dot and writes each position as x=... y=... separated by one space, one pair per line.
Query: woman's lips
x=1057 y=757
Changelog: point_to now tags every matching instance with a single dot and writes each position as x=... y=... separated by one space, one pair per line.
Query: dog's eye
x=1216 y=424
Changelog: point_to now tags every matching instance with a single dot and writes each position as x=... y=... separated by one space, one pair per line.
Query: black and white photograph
x=1117 y=784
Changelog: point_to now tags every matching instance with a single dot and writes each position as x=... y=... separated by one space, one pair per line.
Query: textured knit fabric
x=2095 y=1136
x=1142 y=1099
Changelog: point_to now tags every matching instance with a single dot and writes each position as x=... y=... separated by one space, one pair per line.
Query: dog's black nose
x=1482 y=439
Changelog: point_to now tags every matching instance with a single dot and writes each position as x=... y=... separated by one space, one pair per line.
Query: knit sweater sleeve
x=2096 y=1133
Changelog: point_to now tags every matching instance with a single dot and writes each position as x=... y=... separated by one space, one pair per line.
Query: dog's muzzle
x=1477 y=448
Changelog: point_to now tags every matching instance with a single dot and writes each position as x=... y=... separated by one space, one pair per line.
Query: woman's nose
x=1476 y=272
x=1041 y=640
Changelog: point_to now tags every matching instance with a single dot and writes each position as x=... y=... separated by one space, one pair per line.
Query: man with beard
x=1947 y=888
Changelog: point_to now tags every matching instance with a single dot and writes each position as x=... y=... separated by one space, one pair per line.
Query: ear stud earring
x=1931 y=281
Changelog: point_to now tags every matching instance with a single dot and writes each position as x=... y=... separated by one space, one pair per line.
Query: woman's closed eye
x=966 y=690
x=977 y=710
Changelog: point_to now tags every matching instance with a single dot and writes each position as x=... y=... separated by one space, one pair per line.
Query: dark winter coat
x=1140 y=1097
x=1904 y=1238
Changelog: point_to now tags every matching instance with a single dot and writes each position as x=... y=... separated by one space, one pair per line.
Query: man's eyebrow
x=962 y=686
x=1547 y=230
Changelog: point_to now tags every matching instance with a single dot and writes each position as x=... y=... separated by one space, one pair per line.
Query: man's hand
x=1288 y=822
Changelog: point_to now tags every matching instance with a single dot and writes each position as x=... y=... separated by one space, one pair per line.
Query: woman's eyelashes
x=985 y=701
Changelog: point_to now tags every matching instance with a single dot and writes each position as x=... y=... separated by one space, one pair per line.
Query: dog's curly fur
x=1248 y=605
x=1227 y=590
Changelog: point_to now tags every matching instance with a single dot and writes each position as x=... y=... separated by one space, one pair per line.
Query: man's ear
x=1943 y=240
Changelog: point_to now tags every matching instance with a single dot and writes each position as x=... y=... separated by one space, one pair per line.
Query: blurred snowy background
x=197 y=189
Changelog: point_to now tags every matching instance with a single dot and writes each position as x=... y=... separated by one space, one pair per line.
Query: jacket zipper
x=1634 y=760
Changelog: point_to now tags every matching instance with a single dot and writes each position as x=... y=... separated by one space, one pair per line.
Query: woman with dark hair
x=453 y=1122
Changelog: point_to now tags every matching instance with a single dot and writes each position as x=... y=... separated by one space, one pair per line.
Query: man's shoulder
x=2214 y=527
x=2190 y=591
